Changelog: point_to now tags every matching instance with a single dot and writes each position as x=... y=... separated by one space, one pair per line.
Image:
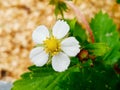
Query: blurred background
x=18 y=19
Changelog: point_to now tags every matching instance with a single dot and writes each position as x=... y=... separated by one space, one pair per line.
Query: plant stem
x=80 y=17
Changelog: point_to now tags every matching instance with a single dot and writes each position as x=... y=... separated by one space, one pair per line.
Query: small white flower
x=54 y=44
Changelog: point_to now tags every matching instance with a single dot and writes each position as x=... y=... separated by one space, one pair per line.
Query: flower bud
x=83 y=55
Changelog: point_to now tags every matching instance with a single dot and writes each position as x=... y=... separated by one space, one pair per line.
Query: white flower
x=54 y=44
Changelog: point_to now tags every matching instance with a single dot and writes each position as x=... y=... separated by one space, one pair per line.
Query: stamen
x=52 y=45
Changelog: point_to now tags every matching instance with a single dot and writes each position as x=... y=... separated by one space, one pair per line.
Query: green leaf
x=118 y=1
x=41 y=79
x=87 y=63
x=60 y=7
x=74 y=61
x=104 y=30
x=26 y=75
x=97 y=78
x=77 y=31
x=113 y=56
x=71 y=23
x=97 y=49
x=100 y=78
x=75 y=78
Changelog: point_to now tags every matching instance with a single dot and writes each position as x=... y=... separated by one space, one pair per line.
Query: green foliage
x=75 y=78
x=104 y=31
x=118 y=1
x=86 y=64
x=97 y=49
x=80 y=75
x=60 y=7
x=77 y=31
x=41 y=79
x=72 y=25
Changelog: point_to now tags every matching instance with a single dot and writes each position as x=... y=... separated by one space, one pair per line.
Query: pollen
x=52 y=45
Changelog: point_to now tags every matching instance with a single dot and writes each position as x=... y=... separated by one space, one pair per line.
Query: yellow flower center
x=52 y=45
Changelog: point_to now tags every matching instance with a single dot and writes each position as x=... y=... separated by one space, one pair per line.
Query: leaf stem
x=80 y=17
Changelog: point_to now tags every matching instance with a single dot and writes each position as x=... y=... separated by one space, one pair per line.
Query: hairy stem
x=80 y=17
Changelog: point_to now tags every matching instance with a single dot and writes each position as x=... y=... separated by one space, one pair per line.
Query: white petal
x=38 y=56
x=71 y=51
x=60 y=62
x=60 y=29
x=40 y=34
x=70 y=46
x=70 y=41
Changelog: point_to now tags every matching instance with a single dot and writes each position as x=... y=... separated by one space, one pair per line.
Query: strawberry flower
x=54 y=46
